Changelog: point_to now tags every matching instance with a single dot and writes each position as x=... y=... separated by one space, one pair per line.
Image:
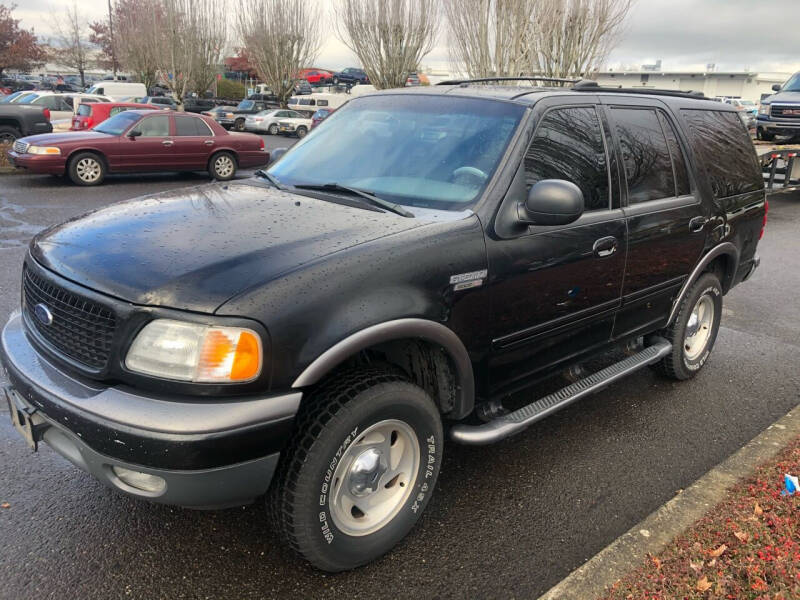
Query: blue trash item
x=792 y=485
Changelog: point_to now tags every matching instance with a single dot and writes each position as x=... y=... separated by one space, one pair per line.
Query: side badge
x=465 y=281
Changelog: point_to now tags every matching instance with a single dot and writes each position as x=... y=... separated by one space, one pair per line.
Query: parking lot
x=509 y=519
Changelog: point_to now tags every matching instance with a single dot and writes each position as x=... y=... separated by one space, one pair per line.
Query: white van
x=117 y=90
x=309 y=104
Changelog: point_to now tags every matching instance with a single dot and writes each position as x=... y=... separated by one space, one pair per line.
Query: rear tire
x=694 y=330
x=238 y=124
x=301 y=132
x=9 y=134
x=763 y=135
x=359 y=470
x=222 y=166
x=87 y=168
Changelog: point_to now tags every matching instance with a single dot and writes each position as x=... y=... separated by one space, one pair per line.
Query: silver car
x=266 y=121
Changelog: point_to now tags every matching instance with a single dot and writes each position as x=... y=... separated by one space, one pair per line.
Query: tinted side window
x=648 y=165
x=201 y=127
x=723 y=145
x=569 y=145
x=185 y=126
x=154 y=126
x=678 y=159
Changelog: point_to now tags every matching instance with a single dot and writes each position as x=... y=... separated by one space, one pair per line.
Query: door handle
x=605 y=246
x=697 y=224
x=209 y=142
x=167 y=143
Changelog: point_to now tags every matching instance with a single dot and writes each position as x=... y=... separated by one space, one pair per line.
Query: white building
x=742 y=84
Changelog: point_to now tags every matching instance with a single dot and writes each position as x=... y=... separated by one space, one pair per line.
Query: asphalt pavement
x=508 y=520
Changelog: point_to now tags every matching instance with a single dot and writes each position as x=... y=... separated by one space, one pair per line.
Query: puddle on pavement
x=15 y=231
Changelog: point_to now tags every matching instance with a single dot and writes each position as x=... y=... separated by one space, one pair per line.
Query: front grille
x=81 y=329
x=21 y=147
x=786 y=112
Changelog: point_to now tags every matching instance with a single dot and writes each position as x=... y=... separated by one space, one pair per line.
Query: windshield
x=25 y=98
x=246 y=105
x=427 y=151
x=117 y=124
x=84 y=110
x=793 y=85
x=11 y=97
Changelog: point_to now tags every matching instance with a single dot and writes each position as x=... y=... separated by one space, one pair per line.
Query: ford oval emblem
x=43 y=314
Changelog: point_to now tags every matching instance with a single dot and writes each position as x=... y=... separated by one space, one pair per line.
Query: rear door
x=667 y=221
x=555 y=290
x=193 y=142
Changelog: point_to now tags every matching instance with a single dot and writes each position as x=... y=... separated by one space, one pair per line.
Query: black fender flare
x=398 y=329
x=725 y=248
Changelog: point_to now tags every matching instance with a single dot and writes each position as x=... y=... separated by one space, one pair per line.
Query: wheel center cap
x=693 y=325
x=366 y=472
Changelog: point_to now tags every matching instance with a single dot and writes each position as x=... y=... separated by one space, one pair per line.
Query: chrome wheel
x=699 y=327
x=273 y=129
x=374 y=477
x=223 y=166
x=88 y=169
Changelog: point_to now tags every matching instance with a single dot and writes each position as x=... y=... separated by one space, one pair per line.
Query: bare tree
x=389 y=37
x=281 y=37
x=72 y=42
x=490 y=38
x=574 y=37
x=137 y=24
x=191 y=36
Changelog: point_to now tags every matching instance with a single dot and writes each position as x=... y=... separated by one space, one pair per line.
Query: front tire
x=301 y=132
x=273 y=129
x=87 y=168
x=694 y=330
x=222 y=166
x=238 y=125
x=359 y=471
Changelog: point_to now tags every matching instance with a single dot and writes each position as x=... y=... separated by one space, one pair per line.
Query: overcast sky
x=684 y=34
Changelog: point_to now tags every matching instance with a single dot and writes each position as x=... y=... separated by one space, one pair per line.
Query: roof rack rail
x=489 y=79
x=587 y=85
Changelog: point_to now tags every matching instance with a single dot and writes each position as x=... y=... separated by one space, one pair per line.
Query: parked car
x=415 y=79
x=11 y=97
x=319 y=116
x=215 y=112
x=162 y=102
x=267 y=97
x=351 y=75
x=90 y=115
x=444 y=251
x=139 y=141
x=18 y=120
x=267 y=121
x=235 y=119
x=316 y=76
x=779 y=114
x=198 y=105
x=298 y=126
x=302 y=87
x=61 y=106
x=117 y=90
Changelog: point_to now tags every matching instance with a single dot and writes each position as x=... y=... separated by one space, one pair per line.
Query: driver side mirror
x=552 y=202
x=276 y=155
x=134 y=134
x=776 y=87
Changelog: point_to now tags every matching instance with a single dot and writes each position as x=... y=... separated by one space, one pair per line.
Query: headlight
x=763 y=109
x=193 y=352
x=229 y=115
x=44 y=150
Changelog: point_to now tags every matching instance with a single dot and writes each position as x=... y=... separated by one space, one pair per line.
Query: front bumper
x=777 y=126
x=38 y=163
x=210 y=454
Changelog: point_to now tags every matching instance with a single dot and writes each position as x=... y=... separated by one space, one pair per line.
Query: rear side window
x=191 y=126
x=678 y=159
x=645 y=155
x=569 y=145
x=84 y=110
x=722 y=144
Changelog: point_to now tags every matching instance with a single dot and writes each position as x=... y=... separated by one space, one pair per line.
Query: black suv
x=322 y=333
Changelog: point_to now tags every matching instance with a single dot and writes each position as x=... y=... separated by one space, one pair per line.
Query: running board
x=512 y=423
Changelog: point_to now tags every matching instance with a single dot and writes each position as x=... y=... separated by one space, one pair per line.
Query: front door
x=150 y=151
x=555 y=290
x=667 y=223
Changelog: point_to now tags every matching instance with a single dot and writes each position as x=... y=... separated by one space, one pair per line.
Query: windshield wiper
x=271 y=178
x=368 y=196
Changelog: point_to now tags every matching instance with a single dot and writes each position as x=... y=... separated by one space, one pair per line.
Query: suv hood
x=780 y=97
x=195 y=248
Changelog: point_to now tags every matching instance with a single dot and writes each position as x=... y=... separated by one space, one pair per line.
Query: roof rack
x=587 y=85
x=490 y=79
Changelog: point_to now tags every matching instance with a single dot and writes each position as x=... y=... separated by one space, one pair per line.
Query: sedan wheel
x=301 y=132
x=87 y=169
x=239 y=125
x=223 y=166
x=273 y=129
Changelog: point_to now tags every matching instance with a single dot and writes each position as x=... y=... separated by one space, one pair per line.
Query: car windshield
x=793 y=85
x=427 y=151
x=25 y=99
x=11 y=97
x=117 y=124
x=246 y=105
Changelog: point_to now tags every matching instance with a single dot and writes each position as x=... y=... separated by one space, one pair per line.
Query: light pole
x=111 y=37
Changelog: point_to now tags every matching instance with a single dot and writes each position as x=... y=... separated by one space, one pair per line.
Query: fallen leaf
x=742 y=536
x=696 y=567
x=758 y=510
x=719 y=551
x=656 y=562
x=703 y=585
x=712 y=562
x=5 y=505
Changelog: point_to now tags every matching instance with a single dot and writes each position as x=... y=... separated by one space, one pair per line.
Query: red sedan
x=138 y=141
x=94 y=113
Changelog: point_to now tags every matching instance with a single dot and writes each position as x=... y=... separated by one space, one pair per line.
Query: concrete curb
x=9 y=170
x=658 y=529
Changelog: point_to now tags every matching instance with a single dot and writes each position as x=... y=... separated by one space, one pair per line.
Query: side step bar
x=512 y=423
